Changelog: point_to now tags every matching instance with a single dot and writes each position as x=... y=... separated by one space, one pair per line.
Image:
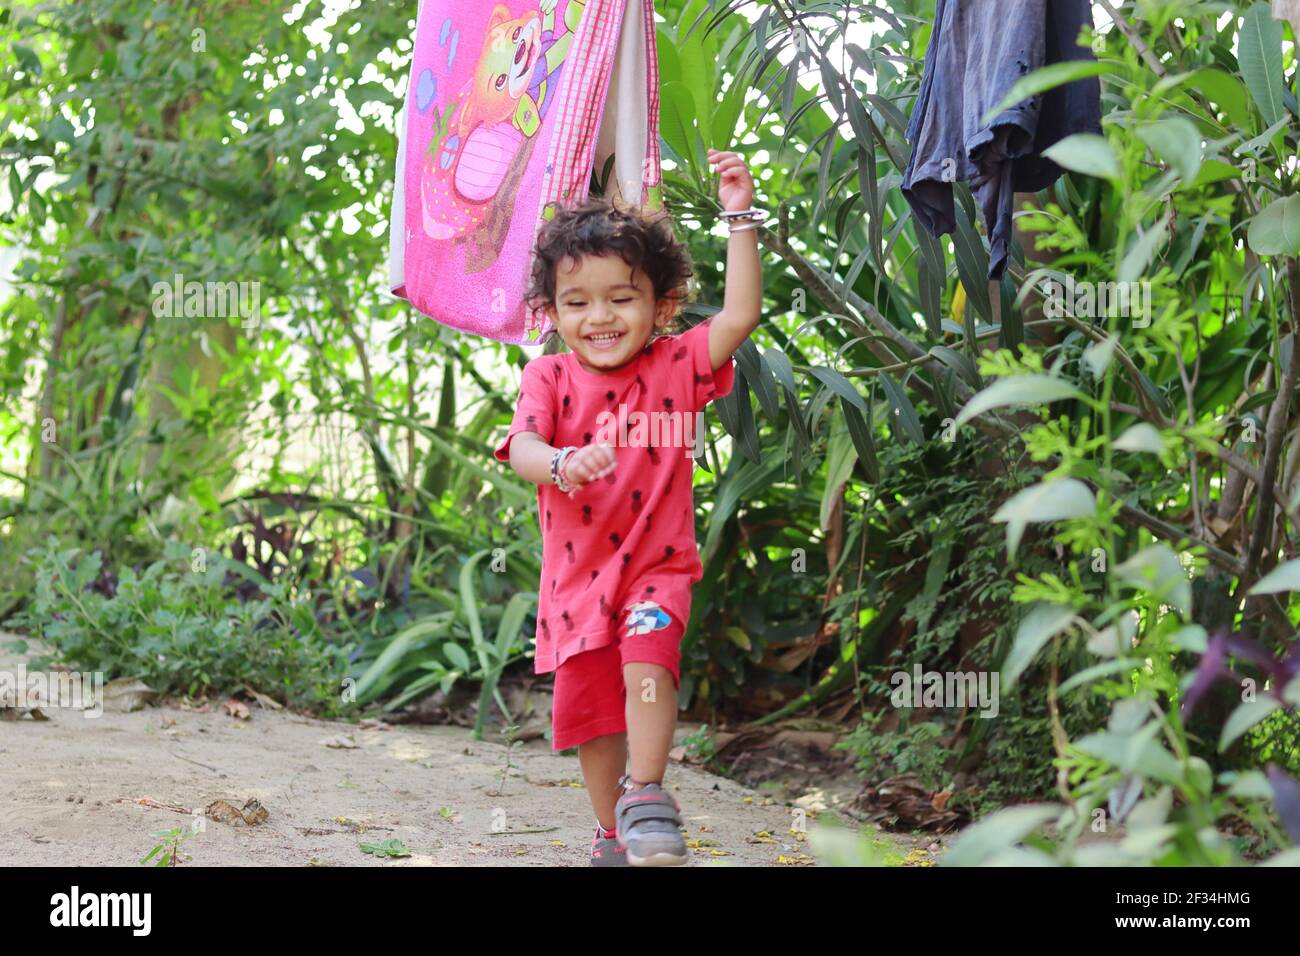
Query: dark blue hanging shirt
x=978 y=50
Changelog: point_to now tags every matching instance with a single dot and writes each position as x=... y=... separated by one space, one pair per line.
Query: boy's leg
x=651 y=672
x=588 y=712
x=651 y=720
x=603 y=761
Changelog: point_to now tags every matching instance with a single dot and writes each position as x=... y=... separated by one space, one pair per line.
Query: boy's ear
x=664 y=309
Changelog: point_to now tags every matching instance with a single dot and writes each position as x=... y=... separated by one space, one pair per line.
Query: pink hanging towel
x=505 y=115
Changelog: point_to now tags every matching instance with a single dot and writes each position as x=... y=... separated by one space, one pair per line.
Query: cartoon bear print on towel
x=483 y=135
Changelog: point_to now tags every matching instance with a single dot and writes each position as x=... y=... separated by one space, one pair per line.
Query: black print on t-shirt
x=568 y=407
x=615 y=540
x=654 y=454
x=636 y=502
x=568 y=546
x=679 y=354
x=626 y=559
x=568 y=621
x=548 y=519
x=546 y=630
x=586 y=514
x=668 y=404
x=586 y=438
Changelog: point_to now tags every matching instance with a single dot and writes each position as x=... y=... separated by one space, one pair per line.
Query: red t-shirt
x=629 y=537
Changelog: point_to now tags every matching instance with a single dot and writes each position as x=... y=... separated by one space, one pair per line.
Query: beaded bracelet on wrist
x=557 y=468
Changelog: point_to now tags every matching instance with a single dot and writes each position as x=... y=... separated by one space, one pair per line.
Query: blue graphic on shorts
x=646 y=617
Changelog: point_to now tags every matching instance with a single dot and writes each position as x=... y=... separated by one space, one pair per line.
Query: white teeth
x=605 y=337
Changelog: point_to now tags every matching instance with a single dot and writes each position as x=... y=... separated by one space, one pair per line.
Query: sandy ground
x=82 y=791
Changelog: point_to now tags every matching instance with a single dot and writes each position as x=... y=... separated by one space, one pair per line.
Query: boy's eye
x=623 y=300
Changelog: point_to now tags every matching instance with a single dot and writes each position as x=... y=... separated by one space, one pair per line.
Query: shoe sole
x=656 y=859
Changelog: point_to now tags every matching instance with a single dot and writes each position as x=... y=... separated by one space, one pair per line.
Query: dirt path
x=93 y=791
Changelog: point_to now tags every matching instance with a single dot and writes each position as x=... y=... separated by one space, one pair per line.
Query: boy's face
x=605 y=311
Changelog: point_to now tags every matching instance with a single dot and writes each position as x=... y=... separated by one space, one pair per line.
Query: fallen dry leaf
x=262 y=699
x=127 y=694
x=235 y=708
x=341 y=742
x=252 y=813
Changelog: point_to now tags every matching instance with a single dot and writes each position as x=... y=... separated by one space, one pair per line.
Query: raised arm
x=742 y=300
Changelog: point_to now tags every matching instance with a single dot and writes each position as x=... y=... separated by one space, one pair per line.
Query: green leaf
x=998 y=832
x=860 y=432
x=1226 y=91
x=1098 y=671
x=742 y=479
x=727 y=114
x=904 y=413
x=1018 y=390
x=960 y=363
x=1098 y=355
x=838 y=384
x=1138 y=257
x=457 y=656
x=840 y=458
x=1285 y=577
x=759 y=378
x=1134 y=752
x=390 y=847
x=1085 y=153
x=1141 y=437
x=395 y=648
x=28 y=59
x=1177 y=142
x=972 y=263
x=1259 y=54
x=1047 y=78
x=1276 y=230
x=677 y=121
x=1049 y=501
x=1157 y=568
x=1246 y=716
x=1042 y=623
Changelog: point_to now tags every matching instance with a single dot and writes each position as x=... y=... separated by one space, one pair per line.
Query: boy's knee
x=646 y=680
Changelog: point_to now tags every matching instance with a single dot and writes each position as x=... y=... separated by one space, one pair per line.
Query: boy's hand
x=736 y=189
x=588 y=464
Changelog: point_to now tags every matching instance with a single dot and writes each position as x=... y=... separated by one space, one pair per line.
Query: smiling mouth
x=603 y=340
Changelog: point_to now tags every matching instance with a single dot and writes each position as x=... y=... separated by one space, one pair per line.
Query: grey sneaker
x=649 y=825
x=605 y=851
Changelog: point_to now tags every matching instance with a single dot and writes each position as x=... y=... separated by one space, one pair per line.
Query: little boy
x=614 y=500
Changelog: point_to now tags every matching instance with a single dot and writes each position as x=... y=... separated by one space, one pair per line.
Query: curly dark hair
x=606 y=225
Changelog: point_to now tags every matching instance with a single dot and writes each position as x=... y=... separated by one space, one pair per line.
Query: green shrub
x=181 y=630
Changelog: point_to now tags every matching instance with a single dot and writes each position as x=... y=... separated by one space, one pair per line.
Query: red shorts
x=590 y=697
